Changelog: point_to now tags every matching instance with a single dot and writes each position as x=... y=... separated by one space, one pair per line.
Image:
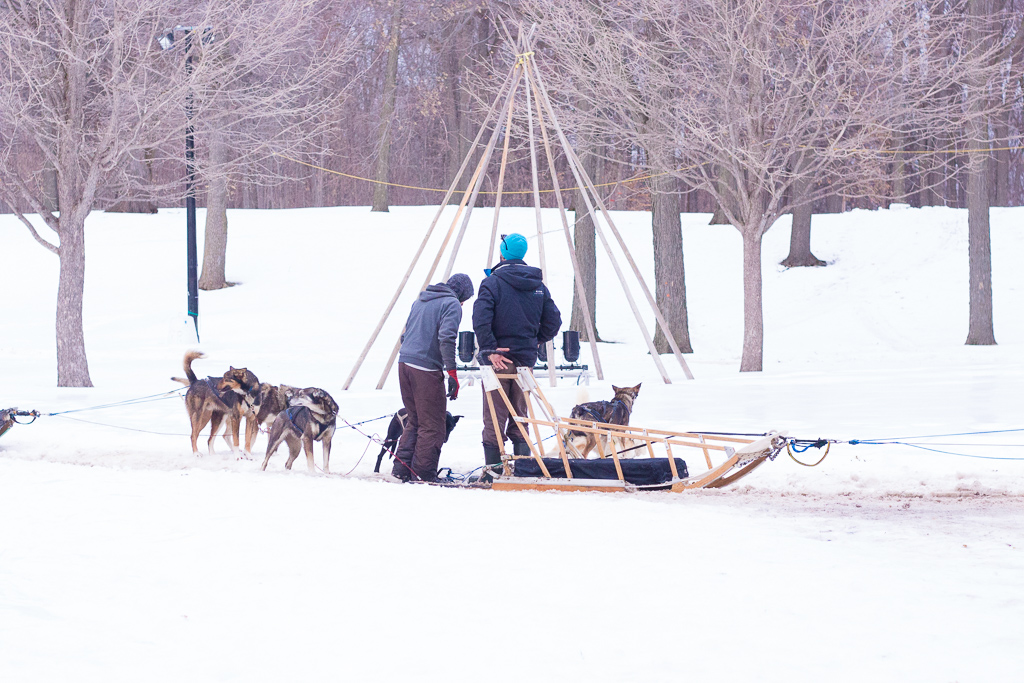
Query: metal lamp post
x=167 y=41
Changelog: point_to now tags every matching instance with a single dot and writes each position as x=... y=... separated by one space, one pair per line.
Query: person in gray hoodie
x=427 y=353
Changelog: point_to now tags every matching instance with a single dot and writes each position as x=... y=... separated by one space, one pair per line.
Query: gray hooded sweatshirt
x=431 y=330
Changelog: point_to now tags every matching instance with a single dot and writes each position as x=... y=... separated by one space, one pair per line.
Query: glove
x=453 y=385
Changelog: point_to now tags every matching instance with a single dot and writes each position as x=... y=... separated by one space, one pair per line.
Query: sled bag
x=638 y=471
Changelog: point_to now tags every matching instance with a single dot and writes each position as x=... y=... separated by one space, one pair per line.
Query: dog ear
x=636 y=389
x=616 y=389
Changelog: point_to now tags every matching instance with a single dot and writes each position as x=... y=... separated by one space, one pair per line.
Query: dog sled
x=629 y=457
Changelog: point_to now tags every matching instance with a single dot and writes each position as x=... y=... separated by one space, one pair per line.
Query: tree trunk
x=800 y=236
x=935 y=177
x=215 y=243
x=718 y=217
x=72 y=364
x=669 y=280
x=753 y=313
x=585 y=242
x=834 y=203
x=452 y=68
x=387 y=109
x=1001 y=158
x=899 y=173
x=49 y=194
x=979 y=249
x=979 y=257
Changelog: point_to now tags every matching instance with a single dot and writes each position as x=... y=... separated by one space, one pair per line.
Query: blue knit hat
x=461 y=285
x=513 y=246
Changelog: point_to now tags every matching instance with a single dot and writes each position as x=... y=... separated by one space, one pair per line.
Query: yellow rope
x=523 y=58
x=634 y=179
x=930 y=151
x=435 y=189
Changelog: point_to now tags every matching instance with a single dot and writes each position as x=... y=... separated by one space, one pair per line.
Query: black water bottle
x=467 y=346
x=571 y=345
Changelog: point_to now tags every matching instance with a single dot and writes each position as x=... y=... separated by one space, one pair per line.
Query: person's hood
x=437 y=291
x=521 y=276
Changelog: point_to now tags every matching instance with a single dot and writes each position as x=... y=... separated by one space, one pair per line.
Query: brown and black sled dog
x=211 y=400
x=272 y=401
x=311 y=416
x=615 y=411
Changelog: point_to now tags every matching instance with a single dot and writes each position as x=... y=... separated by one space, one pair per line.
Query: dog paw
x=244 y=456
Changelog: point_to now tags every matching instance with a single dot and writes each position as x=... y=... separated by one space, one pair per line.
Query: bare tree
x=756 y=95
x=985 y=102
x=84 y=83
x=280 y=104
x=387 y=109
x=800 y=233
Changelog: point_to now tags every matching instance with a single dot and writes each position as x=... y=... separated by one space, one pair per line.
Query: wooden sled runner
x=628 y=455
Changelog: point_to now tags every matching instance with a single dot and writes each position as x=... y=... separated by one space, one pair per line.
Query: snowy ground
x=123 y=557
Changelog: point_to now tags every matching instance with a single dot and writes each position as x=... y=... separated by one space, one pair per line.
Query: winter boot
x=521 y=448
x=492 y=459
x=401 y=470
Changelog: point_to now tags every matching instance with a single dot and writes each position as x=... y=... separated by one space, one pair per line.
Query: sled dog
x=211 y=400
x=397 y=427
x=272 y=400
x=615 y=411
x=311 y=416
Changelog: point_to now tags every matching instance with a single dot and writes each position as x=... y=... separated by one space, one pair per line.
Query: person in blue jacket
x=513 y=314
x=427 y=353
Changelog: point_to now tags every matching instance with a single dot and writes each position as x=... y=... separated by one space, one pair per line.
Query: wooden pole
x=426 y=238
x=707 y=456
x=501 y=186
x=591 y=333
x=522 y=430
x=529 y=411
x=600 y=233
x=671 y=461
x=480 y=180
x=468 y=200
x=540 y=225
x=615 y=457
x=583 y=179
x=494 y=419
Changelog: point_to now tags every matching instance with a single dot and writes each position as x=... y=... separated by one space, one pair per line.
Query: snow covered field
x=123 y=557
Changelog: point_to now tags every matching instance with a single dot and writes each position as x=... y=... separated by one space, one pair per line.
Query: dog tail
x=582 y=395
x=189 y=357
x=180 y=380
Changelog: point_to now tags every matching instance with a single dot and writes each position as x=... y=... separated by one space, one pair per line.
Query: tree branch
x=28 y=224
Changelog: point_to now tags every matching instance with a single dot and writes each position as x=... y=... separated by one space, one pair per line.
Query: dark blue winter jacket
x=514 y=310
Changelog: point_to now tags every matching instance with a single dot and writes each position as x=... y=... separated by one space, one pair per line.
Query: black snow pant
x=508 y=426
x=419 y=449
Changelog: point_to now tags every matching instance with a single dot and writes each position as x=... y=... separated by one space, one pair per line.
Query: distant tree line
x=745 y=109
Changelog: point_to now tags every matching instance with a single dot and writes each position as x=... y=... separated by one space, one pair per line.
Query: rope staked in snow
x=128 y=402
x=801 y=445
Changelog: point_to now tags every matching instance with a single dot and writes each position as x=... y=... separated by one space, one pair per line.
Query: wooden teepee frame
x=524 y=71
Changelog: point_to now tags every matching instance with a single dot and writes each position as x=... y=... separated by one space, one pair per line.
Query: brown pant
x=419 y=450
x=508 y=426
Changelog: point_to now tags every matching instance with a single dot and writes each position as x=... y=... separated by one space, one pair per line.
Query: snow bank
x=124 y=558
